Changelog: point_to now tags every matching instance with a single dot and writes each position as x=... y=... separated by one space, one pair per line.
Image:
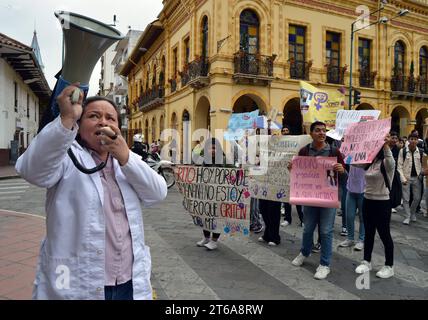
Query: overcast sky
x=18 y=18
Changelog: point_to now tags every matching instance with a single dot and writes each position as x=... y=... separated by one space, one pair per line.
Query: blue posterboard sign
x=238 y=123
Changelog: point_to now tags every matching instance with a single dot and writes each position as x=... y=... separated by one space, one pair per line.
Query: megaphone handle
x=61 y=85
x=75 y=96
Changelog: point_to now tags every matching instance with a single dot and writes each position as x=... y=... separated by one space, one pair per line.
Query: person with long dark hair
x=377 y=210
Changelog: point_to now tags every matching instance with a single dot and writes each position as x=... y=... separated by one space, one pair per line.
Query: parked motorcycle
x=162 y=167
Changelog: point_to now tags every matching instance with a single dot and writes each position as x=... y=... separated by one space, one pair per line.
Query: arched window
x=249 y=32
x=154 y=77
x=204 y=52
x=423 y=63
x=186 y=116
x=399 y=50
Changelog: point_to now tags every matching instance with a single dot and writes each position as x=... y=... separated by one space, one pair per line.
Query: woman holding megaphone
x=94 y=247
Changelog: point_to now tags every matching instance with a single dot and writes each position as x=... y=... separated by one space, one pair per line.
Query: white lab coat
x=71 y=263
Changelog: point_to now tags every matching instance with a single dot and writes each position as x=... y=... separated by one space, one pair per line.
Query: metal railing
x=336 y=74
x=253 y=64
x=367 y=78
x=300 y=69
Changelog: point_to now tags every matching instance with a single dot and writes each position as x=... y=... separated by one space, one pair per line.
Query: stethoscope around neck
x=81 y=168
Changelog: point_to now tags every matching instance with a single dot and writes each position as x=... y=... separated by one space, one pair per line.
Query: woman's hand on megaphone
x=70 y=112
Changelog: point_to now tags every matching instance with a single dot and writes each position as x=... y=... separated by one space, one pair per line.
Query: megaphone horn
x=85 y=41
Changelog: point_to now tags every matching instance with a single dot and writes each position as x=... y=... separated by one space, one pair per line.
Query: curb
x=9 y=177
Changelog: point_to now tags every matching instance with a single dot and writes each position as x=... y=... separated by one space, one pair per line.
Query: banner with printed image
x=239 y=123
x=320 y=105
x=217 y=198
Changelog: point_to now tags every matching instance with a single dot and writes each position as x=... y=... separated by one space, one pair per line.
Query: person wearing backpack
x=410 y=170
x=314 y=215
x=377 y=210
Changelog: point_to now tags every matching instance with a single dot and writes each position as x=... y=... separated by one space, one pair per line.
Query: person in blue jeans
x=313 y=215
x=354 y=199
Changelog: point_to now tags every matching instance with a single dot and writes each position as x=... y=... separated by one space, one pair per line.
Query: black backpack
x=395 y=190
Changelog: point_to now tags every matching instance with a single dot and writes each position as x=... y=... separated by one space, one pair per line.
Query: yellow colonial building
x=202 y=60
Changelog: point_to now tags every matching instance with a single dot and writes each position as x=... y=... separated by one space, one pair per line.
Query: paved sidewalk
x=20 y=236
x=8 y=172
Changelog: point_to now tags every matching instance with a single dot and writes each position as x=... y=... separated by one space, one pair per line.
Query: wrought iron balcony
x=336 y=74
x=423 y=85
x=402 y=85
x=253 y=68
x=197 y=72
x=367 y=78
x=300 y=69
x=173 y=83
x=152 y=98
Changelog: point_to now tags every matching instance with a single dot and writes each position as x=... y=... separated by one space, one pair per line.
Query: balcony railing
x=195 y=73
x=336 y=74
x=173 y=83
x=253 y=67
x=409 y=87
x=367 y=78
x=300 y=69
x=423 y=85
x=151 y=98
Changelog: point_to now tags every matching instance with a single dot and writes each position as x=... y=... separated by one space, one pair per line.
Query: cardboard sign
x=314 y=183
x=346 y=117
x=363 y=140
x=217 y=198
x=320 y=105
x=274 y=181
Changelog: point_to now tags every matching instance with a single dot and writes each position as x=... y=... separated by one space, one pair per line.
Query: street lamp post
x=381 y=20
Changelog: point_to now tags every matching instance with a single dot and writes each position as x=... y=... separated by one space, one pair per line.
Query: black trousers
x=207 y=234
x=288 y=217
x=377 y=216
x=271 y=213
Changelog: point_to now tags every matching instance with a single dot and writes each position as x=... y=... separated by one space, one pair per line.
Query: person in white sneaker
x=317 y=215
x=377 y=210
x=212 y=156
x=411 y=175
x=354 y=199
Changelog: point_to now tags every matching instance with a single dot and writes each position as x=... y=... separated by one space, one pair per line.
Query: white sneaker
x=386 y=272
x=298 y=261
x=413 y=218
x=364 y=267
x=203 y=242
x=322 y=272
x=212 y=245
x=359 y=246
x=285 y=223
x=260 y=239
x=346 y=243
x=406 y=221
x=393 y=210
x=272 y=244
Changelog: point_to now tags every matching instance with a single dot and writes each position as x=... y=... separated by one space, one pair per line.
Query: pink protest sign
x=363 y=140
x=314 y=183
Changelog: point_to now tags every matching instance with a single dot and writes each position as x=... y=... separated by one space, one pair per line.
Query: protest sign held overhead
x=363 y=140
x=274 y=182
x=320 y=105
x=345 y=117
x=238 y=123
x=217 y=198
x=314 y=183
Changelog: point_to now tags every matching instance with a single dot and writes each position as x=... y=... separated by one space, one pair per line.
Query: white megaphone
x=85 y=41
